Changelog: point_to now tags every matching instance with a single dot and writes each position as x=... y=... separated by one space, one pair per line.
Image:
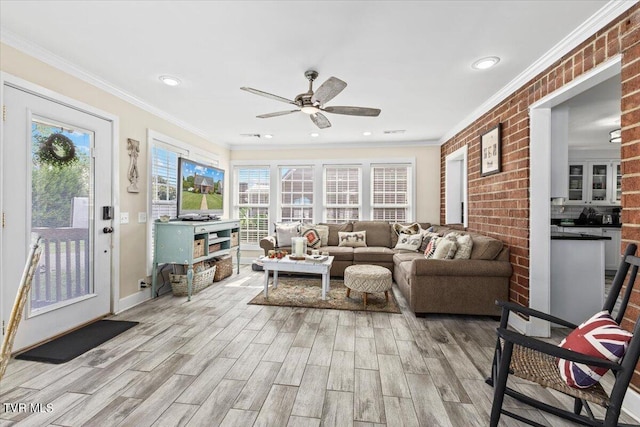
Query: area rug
x=73 y=344
x=307 y=292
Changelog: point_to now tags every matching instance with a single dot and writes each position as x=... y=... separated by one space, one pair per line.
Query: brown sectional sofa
x=455 y=286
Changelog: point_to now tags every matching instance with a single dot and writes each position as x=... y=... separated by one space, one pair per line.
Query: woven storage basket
x=234 y=238
x=201 y=281
x=224 y=268
x=198 y=248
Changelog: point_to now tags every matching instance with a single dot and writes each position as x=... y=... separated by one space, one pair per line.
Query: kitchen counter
x=573 y=236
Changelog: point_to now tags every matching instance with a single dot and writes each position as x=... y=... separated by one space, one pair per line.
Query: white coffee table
x=295 y=266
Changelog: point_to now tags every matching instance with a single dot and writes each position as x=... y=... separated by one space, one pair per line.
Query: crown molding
x=588 y=28
x=38 y=52
x=268 y=146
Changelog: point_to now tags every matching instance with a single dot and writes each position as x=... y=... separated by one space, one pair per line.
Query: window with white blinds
x=342 y=193
x=164 y=180
x=296 y=194
x=390 y=192
x=252 y=191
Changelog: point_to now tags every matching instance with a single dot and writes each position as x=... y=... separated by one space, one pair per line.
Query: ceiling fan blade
x=328 y=90
x=268 y=95
x=353 y=111
x=279 y=113
x=320 y=120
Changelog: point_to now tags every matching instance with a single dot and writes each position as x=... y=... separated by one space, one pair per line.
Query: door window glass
x=62 y=212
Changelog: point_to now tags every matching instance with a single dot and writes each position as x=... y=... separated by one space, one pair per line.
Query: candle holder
x=298 y=248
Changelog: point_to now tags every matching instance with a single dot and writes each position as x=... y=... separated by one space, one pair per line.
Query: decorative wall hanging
x=490 y=152
x=57 y=150
x=133 y=147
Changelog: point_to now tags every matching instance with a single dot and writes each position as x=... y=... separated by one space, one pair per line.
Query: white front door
x=56 y=179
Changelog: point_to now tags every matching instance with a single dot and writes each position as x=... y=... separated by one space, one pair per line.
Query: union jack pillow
x=600 y=336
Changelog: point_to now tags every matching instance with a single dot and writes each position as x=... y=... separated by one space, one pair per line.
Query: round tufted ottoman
x=367 y=279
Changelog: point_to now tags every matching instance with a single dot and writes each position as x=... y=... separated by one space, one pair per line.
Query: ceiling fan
x=313 y=103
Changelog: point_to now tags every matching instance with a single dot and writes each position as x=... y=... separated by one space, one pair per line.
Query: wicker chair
x=535 y=360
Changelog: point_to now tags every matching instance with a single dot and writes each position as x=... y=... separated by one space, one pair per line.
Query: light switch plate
x=124 y=217
x=142 y=217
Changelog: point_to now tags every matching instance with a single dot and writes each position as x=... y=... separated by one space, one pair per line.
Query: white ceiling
x=412 y=59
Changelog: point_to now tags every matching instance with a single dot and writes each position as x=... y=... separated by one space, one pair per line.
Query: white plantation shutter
x=296 y=194
x=252 y=195
x=164 y=181
x=342 y=193
x=390 y=192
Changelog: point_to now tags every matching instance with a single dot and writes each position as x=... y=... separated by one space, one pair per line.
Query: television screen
x=200 y=189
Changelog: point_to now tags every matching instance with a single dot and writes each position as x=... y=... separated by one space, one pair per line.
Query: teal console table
x=174 y=244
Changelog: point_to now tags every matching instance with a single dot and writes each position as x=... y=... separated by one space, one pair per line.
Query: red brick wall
x=499 y=204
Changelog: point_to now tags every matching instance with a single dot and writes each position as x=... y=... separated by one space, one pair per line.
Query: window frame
x=236 y=206
x=326 y=205
x=154 y=139
x=282 y=204
x=409 y=192
x=318 y=167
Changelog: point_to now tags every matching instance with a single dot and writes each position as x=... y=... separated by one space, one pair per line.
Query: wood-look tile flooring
x=218 y=361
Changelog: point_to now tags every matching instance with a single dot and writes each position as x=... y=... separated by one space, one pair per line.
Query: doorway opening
x=456 y=204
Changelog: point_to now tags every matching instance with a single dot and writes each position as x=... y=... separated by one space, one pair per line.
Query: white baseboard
x=134 y=299
x=631 y=404
x=519 y=324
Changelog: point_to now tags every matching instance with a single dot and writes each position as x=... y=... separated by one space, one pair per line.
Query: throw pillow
x=465 y=244
x=600 y=336
x=322 y=230
x=354 y=239
x=409 y=242
x=430 y=249
x=445 y=248
x=285 y=231
x=427 y=236
x=407 y=229
x=313 y=238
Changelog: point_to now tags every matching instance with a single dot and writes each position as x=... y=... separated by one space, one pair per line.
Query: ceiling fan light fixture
x=484 y=63
x=615 y=136
x=170 y=80
x=310 y=109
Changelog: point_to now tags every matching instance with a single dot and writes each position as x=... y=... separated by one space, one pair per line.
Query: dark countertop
x=588 y=225
x=573 y=236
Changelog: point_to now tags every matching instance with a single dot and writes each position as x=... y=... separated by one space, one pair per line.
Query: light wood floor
x=218 y=361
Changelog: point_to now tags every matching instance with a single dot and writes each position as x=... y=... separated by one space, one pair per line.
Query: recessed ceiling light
x=366 y=133
x=169 y=80
x=314 y=134
x=268 y=135
x=484 y=63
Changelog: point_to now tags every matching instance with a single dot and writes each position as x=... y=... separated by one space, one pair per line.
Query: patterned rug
x=307 y=292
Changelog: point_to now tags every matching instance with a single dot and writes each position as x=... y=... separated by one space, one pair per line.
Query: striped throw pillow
x=600 y=336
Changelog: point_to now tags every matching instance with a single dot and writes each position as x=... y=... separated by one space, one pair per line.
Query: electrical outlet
x=124 y=217
x=142 y=217
x=142 y=284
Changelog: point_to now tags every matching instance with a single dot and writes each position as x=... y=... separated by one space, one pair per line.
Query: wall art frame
x=491 y=151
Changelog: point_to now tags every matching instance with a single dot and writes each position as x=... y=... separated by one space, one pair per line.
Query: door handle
x=107 y=230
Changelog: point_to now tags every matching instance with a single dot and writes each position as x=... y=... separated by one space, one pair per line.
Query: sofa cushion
x=378 y=232
x=322 y=230
x=406 y=229
x=485 y=247
x=409 y=242
x=341 y=253
x=465 y=245
x=402 y=271
x=446 y=247
x=313 y=238
x=402 y=256
x=285 y=231
x=333 y=239
x=353 y=239
x=372 y=254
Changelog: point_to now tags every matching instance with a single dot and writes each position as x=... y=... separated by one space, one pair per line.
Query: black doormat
x=73 y=344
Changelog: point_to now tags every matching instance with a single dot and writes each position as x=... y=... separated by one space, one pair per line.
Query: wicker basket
x=198 y=248
x=224 y=268
x=201 y=280
x=235 y=238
